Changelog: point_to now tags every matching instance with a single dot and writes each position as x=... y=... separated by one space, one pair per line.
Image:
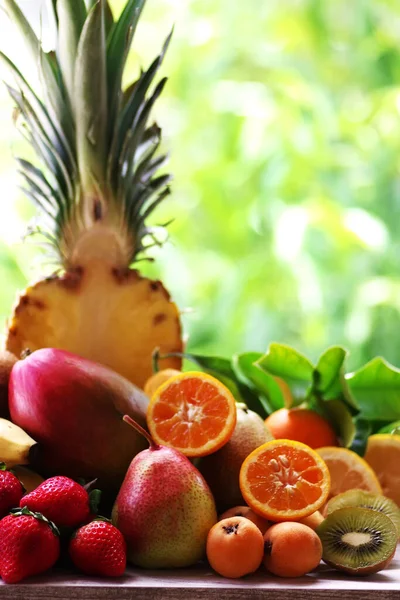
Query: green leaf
x=40 y=114
x=91 y=101
x=294 y=368
x=392 y=428
x=327 y=372
x=329 y=378
x=363 y=430
x=48 y=75
x=118 y=46
x=263 y=382
x=341 y=420
x=131 y=113
x=71 y=19
x=376 y=389
x=90 y=4
x=109 y=19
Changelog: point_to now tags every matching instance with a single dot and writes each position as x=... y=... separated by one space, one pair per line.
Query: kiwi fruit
x=363 y=499
x=356 y=540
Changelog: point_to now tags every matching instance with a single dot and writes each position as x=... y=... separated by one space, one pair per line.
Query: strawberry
x=61 y=500
x=11 y=490
x=29 y=545
x=99 y=548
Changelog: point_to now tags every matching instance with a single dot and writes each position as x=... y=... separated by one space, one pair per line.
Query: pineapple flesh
x=96 y=186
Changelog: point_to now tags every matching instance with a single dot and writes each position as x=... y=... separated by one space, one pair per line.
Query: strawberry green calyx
x=24 y=511
x=94 y=501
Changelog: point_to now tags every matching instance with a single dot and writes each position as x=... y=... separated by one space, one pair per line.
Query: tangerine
x=284 y=480
x=193 y=412
x=157 y=379
x=302 y=425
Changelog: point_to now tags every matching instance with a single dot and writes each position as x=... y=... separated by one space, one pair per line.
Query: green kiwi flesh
x=359 y=541
x=363 y=499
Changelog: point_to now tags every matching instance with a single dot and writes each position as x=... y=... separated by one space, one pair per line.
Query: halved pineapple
x=96 y=190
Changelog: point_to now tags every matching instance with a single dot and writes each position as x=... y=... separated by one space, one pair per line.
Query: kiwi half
x=359 y=541
x=363 y=499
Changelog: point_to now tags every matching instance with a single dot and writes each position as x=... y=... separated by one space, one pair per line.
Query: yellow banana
x=14 y=444
x=29 y=479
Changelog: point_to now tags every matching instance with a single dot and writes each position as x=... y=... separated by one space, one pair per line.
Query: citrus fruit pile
x=303 y=496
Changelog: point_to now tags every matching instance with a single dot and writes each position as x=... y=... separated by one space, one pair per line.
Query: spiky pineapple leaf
x=134 y=137
x=46 y=68
x=56 y=136
x=93 y=138
x=91 y=101
x=90 y=4
x=109 y=17
x=71 y=16
x=118 y=45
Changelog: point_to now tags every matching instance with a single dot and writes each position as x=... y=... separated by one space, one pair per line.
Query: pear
x=221 y=469
x=164 y=508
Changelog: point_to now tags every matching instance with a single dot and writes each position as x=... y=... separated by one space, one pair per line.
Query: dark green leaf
x=362 y=431
x=263 y=382
x=392 y=428
x=341 y=419
x=118 y=45
x=71 y=19
x=376 y=389
x=51 y=85
x=294 y=368
x=91 y=101
x=327 y=372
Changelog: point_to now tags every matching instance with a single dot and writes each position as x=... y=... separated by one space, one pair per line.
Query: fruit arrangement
x=300 y=461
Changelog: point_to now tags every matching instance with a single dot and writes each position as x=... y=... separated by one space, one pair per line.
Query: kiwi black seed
x=358 y=540
x=364 y=499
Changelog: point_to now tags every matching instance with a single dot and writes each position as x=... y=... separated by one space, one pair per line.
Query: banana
x=14 y=444
x=29 y=479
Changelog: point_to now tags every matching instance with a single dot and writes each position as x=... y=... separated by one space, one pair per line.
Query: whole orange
x=302 y=425
x=157 y=379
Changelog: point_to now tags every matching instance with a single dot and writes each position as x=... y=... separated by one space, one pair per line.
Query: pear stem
x=140 y=430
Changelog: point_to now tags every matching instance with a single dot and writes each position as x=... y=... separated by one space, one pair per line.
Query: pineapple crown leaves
x=98 y=152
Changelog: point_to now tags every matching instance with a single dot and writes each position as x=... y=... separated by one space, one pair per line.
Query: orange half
x=383 y=455
x=284 y=480
x=348 y=471
x=192 y=412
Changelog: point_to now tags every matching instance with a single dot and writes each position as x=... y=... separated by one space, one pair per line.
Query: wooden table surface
x=201 y=583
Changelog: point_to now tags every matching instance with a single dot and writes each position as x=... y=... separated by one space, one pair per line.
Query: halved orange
x=284 y=480
x=383 y=455
x=192 y=412
x=348 y=471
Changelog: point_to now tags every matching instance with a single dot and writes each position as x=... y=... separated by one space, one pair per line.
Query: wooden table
x=201 y=584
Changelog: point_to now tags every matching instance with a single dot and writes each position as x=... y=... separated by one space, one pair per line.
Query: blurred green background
x=283 y=123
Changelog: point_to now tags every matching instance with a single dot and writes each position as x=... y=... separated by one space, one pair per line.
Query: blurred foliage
x=283 y=123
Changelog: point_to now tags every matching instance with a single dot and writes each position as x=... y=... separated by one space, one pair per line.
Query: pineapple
x=95 y=189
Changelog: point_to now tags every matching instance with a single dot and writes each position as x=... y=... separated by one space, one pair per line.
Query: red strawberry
x=61 y=500
x=11 y=490
x=29 y=545
x=99 y=548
